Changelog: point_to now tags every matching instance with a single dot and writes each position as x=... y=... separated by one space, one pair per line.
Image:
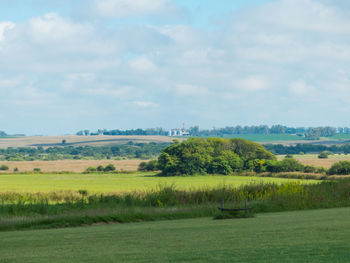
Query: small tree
x=109 y=168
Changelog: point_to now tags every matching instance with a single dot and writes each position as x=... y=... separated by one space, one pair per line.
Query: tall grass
x=21 y=210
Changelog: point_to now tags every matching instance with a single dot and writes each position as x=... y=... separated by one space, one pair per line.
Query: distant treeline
x=310 y=133
x=129 y=150
x=307 y=148
x=151 y=131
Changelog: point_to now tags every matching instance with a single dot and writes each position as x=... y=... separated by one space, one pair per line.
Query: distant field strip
x=69 y=165
x=46 y=141
x=120 y=182
x=312 y=159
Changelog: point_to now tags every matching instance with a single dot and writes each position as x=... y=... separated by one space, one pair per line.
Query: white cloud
x=187 y=89
x=5 y=26
x=299 y=87
x=253 y=83
x=142 y=64
x=125 y=8
x=145 y=104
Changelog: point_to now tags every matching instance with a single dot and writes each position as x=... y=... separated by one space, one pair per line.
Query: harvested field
x=312 y=159
x=74 y=140
x=70 y=165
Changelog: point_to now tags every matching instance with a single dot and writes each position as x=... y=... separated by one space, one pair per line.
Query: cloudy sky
x=66 y=65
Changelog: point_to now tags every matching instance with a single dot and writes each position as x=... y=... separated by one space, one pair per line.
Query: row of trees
x=307 y=148
x=309 y=133
x=129 y=150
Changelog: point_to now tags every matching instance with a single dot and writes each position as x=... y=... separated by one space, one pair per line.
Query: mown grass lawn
x=302 y=236
x=120 y=182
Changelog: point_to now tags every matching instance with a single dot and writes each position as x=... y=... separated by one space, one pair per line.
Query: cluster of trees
x=129 y=150
x=3 y=134
x=221 y=156
x=341 y=168
x=101 y=168
x=212 y=155
x=307 y=148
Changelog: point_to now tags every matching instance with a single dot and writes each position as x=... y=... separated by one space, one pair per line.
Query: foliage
x=149 y=166
x=341 y=168
x=68 y=151
x=323 y=155
x=100 y=168
x=167 y=202
x=4 y=167
x=307 y=148
x=212 y=155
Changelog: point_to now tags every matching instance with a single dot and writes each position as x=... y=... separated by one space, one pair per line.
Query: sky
x=67 y=65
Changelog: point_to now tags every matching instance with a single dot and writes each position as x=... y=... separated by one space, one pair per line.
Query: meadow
x=299 y=236
x=123 y=182
x=312 y=159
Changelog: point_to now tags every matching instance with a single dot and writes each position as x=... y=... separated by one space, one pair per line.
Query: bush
x=341 y=168
x=309 y=169
x=152 y=165
x=91 y=169
x=323 y=155
x=109 y=168
x=4 y=167
x=100 y=168
x=289 y=156
x=36 y=170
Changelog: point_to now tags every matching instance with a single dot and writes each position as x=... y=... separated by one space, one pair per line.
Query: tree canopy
x=211 y=155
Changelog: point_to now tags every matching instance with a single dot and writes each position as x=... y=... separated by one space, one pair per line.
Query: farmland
x=312 y=159
x=69 y=165
x=120 y=182
x=300 y=236
x=74 y=140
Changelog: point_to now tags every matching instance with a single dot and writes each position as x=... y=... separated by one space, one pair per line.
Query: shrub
x=15 y=169
x=342 y=168
x=36 y=170
x=309 y=169
x=152 y=165
x=91 y=169
x=100 y=168
x=109 y=168
x=289 y=156
x=323 y=155
x=4 y=167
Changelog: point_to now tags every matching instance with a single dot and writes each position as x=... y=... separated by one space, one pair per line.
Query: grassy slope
x=118 y=182
x=303 y=236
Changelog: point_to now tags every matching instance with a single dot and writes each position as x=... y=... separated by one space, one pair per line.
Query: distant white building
x=178 y=132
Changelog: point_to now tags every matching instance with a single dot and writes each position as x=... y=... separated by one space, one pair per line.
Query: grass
x=267 y=137
x=104 y=183
x=340 y=137
x=312 y=159
x=303 y=236
x=60 y=209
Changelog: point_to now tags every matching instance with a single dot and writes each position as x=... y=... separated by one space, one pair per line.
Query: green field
x=120 y=182
x=264 y=138
x=302 y=236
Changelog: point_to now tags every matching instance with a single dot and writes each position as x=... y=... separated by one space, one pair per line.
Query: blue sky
x=67 y=65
